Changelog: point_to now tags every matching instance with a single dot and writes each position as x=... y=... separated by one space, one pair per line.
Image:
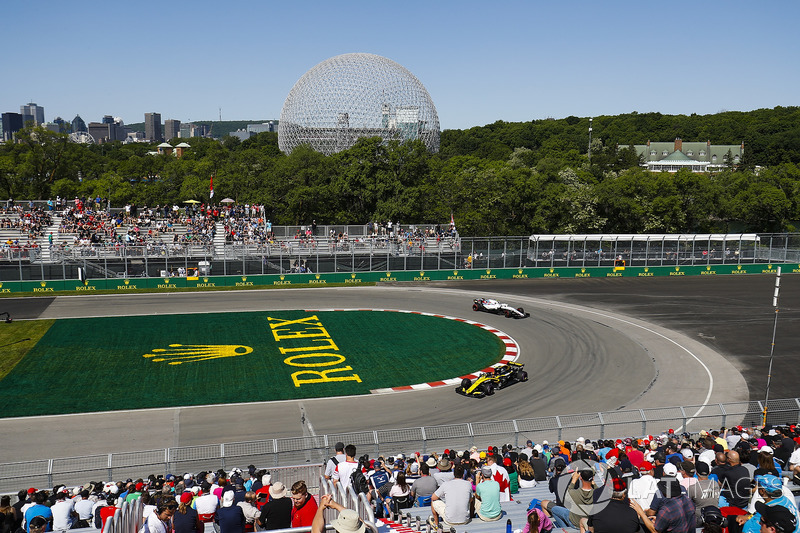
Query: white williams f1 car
x=493 y=306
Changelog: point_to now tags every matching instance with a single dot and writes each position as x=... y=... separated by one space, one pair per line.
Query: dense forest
x=499 y=179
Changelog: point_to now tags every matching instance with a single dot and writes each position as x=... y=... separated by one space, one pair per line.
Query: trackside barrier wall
x=301 y=458
x=167 y=284
x=118 y=262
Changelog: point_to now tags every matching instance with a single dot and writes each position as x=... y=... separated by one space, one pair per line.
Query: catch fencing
x=295 y=458
x=394 y=254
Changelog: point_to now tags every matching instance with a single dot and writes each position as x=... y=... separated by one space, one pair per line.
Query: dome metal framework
x=351 y=96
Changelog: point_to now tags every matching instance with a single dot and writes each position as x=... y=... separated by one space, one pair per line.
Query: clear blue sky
x=480 y=61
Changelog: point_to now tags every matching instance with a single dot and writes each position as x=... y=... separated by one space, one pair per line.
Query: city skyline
x=514 y=61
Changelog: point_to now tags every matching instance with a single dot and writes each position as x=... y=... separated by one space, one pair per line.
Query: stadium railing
x=300 y=458
x=376 y=255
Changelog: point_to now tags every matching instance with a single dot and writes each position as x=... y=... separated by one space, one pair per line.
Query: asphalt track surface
x=589 y=345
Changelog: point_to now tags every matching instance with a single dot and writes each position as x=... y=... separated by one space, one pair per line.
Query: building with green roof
x=696 y=156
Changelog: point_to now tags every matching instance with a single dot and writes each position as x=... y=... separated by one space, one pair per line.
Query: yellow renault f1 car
x=487 y=382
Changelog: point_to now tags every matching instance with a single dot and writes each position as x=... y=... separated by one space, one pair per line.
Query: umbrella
x=191 y=202
x=227 y=201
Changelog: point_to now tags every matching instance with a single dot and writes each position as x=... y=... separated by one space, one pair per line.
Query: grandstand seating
x=413 y=518
x=68 y=242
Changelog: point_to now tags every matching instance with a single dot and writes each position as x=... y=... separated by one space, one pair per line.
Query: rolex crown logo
x=583 y=270
x=282 y=277
x=126 y=282
x=488 y=271
x=388 y=274
x=316 y=276
x=353 y=275
x=178 y=354
x=166 y=280
x=519 y=271
x=551 y=270
x=738 y=267
x=43 y=283
x=421 y=272
x=647 y=269
x=455 y=272
x=205 y=280
x=677 y=268
x=244 y=278
x=708 y=267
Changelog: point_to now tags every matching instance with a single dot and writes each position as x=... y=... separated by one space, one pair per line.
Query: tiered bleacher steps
x=44 y=240
x=219 y=239
x=11 y=234
x=21 y=237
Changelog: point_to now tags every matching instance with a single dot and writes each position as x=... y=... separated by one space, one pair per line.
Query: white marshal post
x=775 y=298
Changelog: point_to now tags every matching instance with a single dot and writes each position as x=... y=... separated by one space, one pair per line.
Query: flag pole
x=775 y=298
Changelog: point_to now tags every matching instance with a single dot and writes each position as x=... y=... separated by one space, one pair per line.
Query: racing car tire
x=508 y=313
x=521 y=311
x=475 y=307
x=522 y=376
x=466 y=383
x=488 y=389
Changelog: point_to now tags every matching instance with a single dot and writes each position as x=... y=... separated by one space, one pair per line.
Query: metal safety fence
x=384 y=253
x=295 y=458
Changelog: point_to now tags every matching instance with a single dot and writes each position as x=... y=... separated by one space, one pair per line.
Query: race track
x=579 y=360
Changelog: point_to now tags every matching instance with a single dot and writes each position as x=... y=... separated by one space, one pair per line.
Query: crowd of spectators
x=88 y=223
x=30 y=223
x=735 y=478
x=233 y=502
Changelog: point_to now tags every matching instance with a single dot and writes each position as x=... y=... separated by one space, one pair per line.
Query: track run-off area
x=579 y=358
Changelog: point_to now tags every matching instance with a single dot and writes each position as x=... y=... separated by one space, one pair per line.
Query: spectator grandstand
x=679 y=482
x=83 y=230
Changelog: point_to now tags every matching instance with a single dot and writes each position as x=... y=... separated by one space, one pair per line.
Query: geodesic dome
x=351 y=96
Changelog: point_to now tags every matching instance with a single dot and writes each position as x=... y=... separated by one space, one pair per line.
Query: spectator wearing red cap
x=38 y=508
x=186 y=519
x=135 y=492
x=513 y=476
x=616 y=516
x=644 y=488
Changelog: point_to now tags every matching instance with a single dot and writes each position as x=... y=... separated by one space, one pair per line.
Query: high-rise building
x=12 y=123
x=172 y=128
x=63 y=126
x=106 y=131
x=78 y=124
x=193 y=130
x=100 y=132
x=152 y=127
x=35 y=111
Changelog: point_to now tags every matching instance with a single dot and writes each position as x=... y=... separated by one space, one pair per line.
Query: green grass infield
x=101 y=364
